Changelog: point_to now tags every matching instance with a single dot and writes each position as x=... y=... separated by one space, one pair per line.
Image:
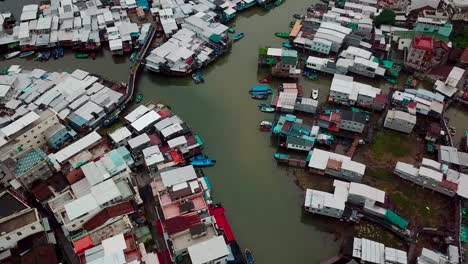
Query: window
x=33 y=228
x=19 y=233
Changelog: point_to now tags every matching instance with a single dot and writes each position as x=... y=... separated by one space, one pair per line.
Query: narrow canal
x=263 y=203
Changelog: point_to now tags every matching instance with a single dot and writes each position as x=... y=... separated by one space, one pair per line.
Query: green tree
x=386 y=17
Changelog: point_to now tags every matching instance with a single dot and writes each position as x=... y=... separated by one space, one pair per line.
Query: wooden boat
x=278 y=2
x=261 y=90
x=267 y=109
x=297 y=16
x=139 y=98
x=259 y=96
x=82 y=55
x=265 y=80
x=286 y=45
x=266 y=126
x=238 y=36
x=26 y=54
x=282 y=34
x=249 y=256
x=231 y=30
x=11 y=55
x=315 y=94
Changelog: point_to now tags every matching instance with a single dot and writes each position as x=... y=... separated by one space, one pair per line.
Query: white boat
x=315 y=94
x=12 y=55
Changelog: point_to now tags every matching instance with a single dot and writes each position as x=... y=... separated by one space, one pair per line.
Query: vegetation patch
x=390 y=143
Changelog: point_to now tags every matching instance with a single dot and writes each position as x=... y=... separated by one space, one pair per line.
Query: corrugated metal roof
x=73 y=149
x=178 y=175
x=81 y=206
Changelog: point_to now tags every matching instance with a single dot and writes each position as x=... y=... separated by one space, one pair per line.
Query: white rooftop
x=81 y=206
x=178 y=175
x=78 y=146
x=145 y=120
x=120 y=134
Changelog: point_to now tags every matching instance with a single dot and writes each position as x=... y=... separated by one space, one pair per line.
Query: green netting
x=395 y=219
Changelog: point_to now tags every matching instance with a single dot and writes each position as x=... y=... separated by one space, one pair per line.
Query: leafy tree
x=386 y=17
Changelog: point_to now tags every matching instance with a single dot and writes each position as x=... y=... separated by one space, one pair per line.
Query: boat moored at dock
x=11 y=55
x=261 y=90
x=249 y=256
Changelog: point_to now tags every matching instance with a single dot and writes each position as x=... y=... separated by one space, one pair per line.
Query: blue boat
x=261 y=90
x=287 y=45
x=249 y=256
x=26 y=54
x=202 y=162
x=260 y=105
x=259 y=96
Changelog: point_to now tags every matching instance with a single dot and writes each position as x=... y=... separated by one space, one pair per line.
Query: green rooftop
x=28 y=161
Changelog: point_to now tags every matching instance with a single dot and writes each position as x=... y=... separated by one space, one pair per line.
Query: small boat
x=11 y=55
x=259 y=96
x=260 y=105
x=249 y=256
x=286 y=45
x=60 y=52
x=197 y=77
x=281 y=156
x=46 y=56
x=315 y=94
x=278 y=2
x=282 y=34
x=265 y=80
x=5 y=70
x=238 y=36
x=452 y=131
x=231 y=30
x=26 y=54
x=82 y=55
x=202 y=161
x=313 y=76
x=139 y=98
x=267 y=109
x=266 y=126
x=297 y=16
x=261 y=90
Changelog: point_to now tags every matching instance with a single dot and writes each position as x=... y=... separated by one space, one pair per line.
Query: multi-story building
x=328 y=204
x=57 y=136
x=435 y=176
x=336 y=165
x=400 y=121
x=420 y=54
x=32 y=166
x=26 y=132
x=343 y=120
x=344 y=90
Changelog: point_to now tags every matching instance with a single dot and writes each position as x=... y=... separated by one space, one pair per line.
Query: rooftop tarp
x=395 y=219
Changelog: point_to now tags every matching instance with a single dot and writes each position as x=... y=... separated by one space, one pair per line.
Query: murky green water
x=262 y=201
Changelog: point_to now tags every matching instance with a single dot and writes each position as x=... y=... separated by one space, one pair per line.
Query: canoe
x=261 y=90
x=81 y=55
x=282 y=34
x=286 y=45
x=249 y=256
x=267 y=109
x=232 y=30
x=26 y=54
x=139 y=98
x=238 y=36
x=265 y=80
x=315 y=94
x=11 y=55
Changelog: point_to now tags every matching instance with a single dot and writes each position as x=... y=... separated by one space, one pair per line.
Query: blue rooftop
x=29 y=160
